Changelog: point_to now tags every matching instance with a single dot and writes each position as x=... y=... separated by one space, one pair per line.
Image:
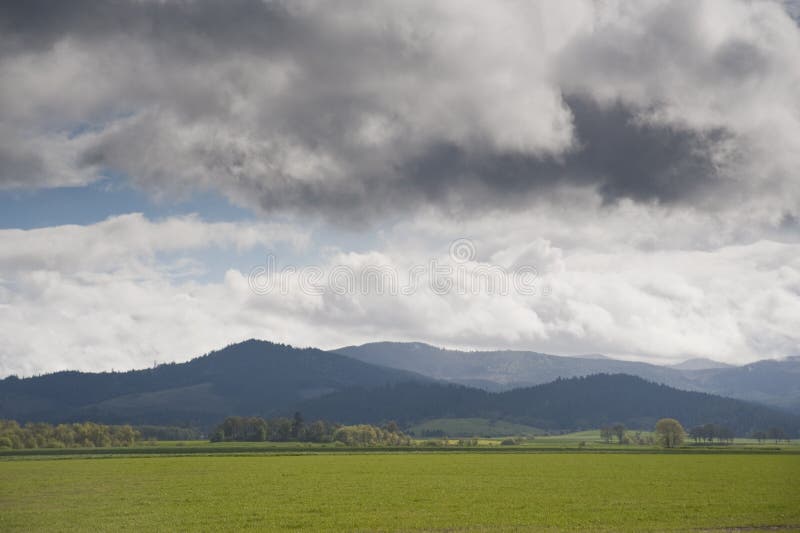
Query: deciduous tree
x=670 y=432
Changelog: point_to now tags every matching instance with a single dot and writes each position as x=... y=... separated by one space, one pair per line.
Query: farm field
x=473 y=427
x=403 y=491
x=570 y=443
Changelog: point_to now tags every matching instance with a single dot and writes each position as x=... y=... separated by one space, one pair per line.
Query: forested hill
x=576 y=403
x=252 y=377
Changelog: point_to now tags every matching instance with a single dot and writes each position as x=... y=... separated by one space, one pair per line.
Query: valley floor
x=403 y=492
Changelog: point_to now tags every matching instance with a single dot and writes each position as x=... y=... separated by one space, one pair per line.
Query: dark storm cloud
x=640 y=160
x=618 y=155
x=18 y=168
x=189 y=27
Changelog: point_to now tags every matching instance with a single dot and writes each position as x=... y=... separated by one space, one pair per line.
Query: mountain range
x=366 y=384
x=771 y=382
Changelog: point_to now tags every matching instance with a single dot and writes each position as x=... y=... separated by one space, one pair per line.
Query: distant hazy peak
x=700 y=363
x=389 y=344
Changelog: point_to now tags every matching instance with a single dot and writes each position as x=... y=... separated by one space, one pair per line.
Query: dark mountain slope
x=575 y=403
x=252 y=377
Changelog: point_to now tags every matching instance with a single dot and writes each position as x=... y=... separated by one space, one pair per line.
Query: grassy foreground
x=400 y=492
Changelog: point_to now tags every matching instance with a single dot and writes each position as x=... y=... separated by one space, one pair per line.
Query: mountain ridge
x=772 y=382
x=267 y=379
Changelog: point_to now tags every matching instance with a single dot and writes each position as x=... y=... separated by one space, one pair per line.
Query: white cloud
x=105 y=296
x=100 y=305
x=111 y=244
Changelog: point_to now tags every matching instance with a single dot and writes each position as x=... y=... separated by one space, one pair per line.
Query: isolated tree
x=670 y=432
x=606 y=434
x=760 y=436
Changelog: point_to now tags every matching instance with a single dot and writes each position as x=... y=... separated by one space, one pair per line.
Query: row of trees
x=82 y=435
x=368 y=435
x=256 y=429
x=709 y=432
x=776 y=434
x=621 y=434
x=253 y=429
x=670 y=433
x=169 y=433
x=608 y=433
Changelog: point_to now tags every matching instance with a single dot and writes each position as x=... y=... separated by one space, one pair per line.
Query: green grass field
x=403 y=491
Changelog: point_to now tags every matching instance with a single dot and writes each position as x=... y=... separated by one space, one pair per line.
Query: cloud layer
x=105 y=296
x=355 y=108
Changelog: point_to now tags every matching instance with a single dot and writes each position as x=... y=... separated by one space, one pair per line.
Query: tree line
x=168 y=433
x=709 y=432
x=706 y=433
x=78 y=435
x=623 y=436
x=257 y=429
x=776 y=434
x=669 y=432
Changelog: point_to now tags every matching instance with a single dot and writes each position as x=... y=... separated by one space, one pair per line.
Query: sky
x=566 y=177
